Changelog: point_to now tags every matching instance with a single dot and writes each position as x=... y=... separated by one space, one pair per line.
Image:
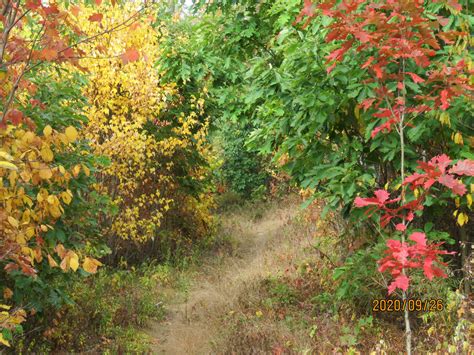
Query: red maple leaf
x=444 y=100
x=403 y=256
x=415 y=77
x=307 y=11
x=401 y=282
x=14 y=116
x=96 y=17
x=436 y=171
x=130 y=55
x=463 y=167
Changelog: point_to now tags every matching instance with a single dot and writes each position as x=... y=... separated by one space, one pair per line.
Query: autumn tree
x=403 y=45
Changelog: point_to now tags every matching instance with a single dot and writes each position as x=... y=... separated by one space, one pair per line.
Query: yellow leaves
x=13 y=222
x=90 y=265
x=445 y=119
x=76 y=170
x=71 y=134
x=70 y=260
x=66 y=196
x=4 y=341
x=7 y=165
x=45 y=172
x=47 y=131
x=47 y=154
x=52 y=262
x=457 y=138
x=461 y=217
x=6 y=156
x=74 y=261
x=469 y=200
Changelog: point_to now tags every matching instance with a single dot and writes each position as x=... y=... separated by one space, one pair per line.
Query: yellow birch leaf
x=71 y=134
x=52 y=262
x=67 y=197
x=90 y=265
x=76 y=170
x=30 y=231
x=64 y=264
x=60 y=250
x=73 y=261
x=45 y=173
x=3 y=340
x=5 y=156
x=86 y=170
x=47 y=131
x=13 y=221
x=8 y=165
x=462 y=219
x=47 y=154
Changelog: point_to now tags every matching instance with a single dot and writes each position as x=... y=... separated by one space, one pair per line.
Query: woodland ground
x=249 y=296
x=193 y=323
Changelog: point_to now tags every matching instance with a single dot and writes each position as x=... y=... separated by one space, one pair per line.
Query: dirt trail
x=193 y=320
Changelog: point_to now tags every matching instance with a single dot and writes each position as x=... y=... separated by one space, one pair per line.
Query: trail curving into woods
x=192 y=325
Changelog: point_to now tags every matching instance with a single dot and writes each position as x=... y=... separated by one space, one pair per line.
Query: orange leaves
x=75 y=10
x=96 y=17
x=130 y=55
x=48 y=54
x=15 y=117
x=70 y=260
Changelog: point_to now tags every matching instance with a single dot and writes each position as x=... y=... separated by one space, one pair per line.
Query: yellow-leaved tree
x=156 y=143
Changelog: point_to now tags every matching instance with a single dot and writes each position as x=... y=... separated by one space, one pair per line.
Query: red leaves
x=401 y=282
x=368 y=62
x=443 y=21
x=130 y=55
x=96 y=17
x=380 y=199
x=48 y=54
x=401 y=227
x=307 y=11
x=388 y=32
x=338 y=54
x=463 y=167
x=387 y=126
x=378 y=71
x=456 y=186
x=379 y=202
x=444 y=100
x=436 y=171
x=415 y=77
x=33 y=4
x=15 y=117
x=455 y=5
x=404 y=256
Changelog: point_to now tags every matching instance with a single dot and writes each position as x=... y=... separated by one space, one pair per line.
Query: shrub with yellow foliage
x=155 y=141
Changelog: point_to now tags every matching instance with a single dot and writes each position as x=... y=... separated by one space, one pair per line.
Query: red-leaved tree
x=399 y=42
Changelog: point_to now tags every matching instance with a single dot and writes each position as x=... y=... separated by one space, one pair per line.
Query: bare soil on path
x=193 y=323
